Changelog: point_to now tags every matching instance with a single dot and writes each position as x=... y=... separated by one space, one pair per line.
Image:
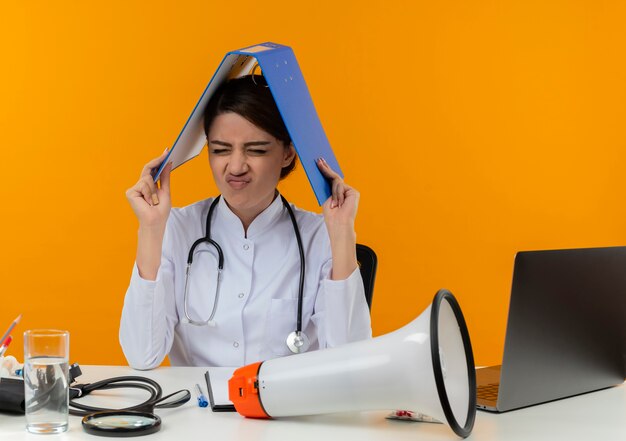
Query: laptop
x=566 y=330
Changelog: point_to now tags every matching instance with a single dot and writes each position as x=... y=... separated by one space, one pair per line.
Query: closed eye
x=219 y=151
x=257 y=152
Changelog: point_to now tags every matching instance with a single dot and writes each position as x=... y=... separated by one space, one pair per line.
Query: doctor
x=246 y=312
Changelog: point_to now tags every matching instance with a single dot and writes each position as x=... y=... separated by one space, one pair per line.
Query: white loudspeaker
x=426 y=366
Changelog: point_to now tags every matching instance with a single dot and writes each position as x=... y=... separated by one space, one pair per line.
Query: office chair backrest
x=366 y=257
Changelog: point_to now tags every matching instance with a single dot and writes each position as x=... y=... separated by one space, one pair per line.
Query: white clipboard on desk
x=217 y=387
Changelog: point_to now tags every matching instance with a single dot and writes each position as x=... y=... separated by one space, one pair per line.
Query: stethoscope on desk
x=297 y=341
x=135 y=420
x=130 y=421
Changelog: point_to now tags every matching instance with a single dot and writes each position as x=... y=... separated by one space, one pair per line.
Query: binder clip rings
x=253 y=75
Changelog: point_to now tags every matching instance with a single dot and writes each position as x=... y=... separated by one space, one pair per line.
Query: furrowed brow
x=222 y=143
x=256 y=143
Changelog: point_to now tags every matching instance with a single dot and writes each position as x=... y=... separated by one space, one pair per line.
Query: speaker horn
x=425 y=366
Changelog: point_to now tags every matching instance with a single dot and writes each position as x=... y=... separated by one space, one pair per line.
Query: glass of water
x=46 y=375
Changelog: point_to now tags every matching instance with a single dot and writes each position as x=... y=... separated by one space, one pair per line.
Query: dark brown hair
x=250 y=98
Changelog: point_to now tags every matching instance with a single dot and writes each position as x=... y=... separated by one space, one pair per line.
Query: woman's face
x=246 y=162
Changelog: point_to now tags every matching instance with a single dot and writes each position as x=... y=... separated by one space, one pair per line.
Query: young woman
x=248 y=310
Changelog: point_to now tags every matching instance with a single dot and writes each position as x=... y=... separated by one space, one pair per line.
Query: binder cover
x=282 y=73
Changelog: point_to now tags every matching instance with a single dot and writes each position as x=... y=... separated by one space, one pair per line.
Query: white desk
x=595 y=416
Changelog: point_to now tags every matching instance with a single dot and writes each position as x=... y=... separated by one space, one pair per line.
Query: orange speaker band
x=243 y=391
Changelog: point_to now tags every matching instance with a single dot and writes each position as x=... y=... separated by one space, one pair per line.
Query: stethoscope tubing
x=156 y=400
x=220 y=266
x=302 y=268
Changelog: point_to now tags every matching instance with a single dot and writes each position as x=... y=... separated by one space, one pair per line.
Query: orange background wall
x=473 y=129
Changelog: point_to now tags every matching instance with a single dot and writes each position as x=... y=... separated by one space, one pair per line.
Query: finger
x=131 y=193
x=355 y=196
x=351 y=192
x=328 y=172
x=164 y=179
x=328 y=204
x=341 y=193
x=333 y=195
x=137 y=191
x=338 y=192
x=150 y=166
x=352 y=195
x=149 y=190
x=142 y=191
x=149 y=194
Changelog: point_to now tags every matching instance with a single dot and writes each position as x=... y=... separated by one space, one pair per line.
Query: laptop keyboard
x=488 y=391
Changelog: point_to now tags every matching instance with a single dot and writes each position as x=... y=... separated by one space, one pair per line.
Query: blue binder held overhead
x=282 y=73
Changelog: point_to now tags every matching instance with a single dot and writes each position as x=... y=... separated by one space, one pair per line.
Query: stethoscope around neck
x=297 y=341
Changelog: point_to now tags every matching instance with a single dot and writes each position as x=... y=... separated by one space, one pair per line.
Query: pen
x=202 y=402
x=5 y=345
x=15 y=322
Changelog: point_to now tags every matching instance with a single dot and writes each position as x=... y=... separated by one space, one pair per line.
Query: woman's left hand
x=339 y=215
x=341 y=207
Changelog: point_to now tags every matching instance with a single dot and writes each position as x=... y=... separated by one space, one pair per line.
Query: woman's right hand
x=150 y=202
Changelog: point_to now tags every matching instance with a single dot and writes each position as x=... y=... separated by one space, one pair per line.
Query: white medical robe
x=258 y=298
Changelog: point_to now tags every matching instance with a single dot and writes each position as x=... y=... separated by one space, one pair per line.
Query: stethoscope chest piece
x=120 y=423
x=298 y=342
